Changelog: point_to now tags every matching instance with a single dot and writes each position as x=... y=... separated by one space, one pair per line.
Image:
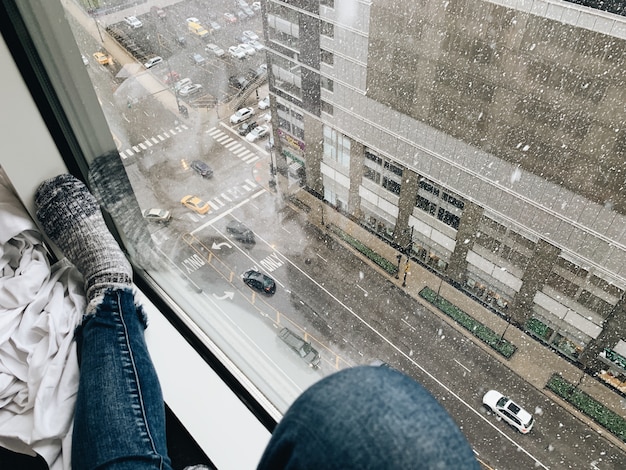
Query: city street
x=351 y=312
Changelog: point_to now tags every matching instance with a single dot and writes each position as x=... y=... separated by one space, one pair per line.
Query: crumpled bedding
x=40 y=306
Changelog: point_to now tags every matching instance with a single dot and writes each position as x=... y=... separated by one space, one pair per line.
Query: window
x=327 y=57
x=327 y=29
x=418 y=160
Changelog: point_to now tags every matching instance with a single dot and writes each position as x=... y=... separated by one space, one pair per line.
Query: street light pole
x=399 y=257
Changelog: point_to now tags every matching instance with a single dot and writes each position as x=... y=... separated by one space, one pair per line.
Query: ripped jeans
x=119 y=421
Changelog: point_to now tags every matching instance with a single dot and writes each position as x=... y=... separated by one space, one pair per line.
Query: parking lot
x=172 y=34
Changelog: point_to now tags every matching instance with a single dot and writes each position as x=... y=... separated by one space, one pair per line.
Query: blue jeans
x=119 y=421
x=367 y=418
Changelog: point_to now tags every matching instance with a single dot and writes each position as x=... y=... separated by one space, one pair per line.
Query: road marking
x=366 y=293
x=408 y=324
x=226 y=212
x=320 y=256
x=462 y=365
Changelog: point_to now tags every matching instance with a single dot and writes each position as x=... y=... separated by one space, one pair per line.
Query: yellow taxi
x=101 y=58
x=195 y=204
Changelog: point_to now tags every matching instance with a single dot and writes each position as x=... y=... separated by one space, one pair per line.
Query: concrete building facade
x=485 y=139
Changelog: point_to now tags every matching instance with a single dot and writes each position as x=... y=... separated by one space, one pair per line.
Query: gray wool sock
x=71 y=217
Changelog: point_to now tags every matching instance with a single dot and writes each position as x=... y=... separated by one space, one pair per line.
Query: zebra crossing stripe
x=232 y=144
x=143 y=147
x=154 y=140
x=251 y=183
x=241 y=150
x=148 y=143
x=251 y=160
x=130 y=152
x=136 y=149
x=224 y=196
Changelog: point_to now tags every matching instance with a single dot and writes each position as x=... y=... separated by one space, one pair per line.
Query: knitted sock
x=71 y=217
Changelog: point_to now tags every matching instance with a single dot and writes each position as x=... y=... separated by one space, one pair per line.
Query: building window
x=327 y=108
x=382 y=171
x=327 y=83
x=441 y=204
x=327 y=57
x=328 y=3
x=327 y=29
x=336 y=147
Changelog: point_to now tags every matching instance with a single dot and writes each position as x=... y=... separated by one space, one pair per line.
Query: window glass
x=415 y=149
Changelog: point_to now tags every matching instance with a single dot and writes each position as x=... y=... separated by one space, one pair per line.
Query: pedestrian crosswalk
x=154 y=140
x=226 y=198
x=233 y=145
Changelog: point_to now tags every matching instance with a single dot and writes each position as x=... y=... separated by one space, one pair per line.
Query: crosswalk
x=233 y=145
x=151 y=141
x=227 y=197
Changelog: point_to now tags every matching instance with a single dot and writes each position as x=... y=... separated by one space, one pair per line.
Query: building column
x=314 y=154
x=406 y=203
x=357 y=155
x=468 y=227
x=535 y=276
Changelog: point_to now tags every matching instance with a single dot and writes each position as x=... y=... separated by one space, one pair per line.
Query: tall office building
x=486 y=137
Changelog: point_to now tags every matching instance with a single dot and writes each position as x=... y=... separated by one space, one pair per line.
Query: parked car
x=247 y=48
x=85 y=60
x=513 y=414
x=241 y=115
x=157 y=215
x=257 y=133
x=251 y=35
x=215 y=50
x=133 y=22
x=202 y=168
x=195 y=204
x=190 y=89
x=240 y=232
x=237 y=52
x=158 y=12
x=246 y=127
x=230 y=18
x=259 y=281
x=258 y=46
x=193 y=19
x=153 y=61
x=264 y=103
x=238 y=82
x=248 y=11
x=256 y=6
x=301 y=347
x=197 y=59
x=180 y=84
x=214 y=25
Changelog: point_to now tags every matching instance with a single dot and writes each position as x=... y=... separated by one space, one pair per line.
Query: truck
x=300 y=346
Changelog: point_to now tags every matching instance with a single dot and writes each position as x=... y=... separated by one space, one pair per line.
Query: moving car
x=509 y=411
x=193 y=19
x=215 y=49
x=300 y=346
x=257 y=133
x=237 y=52
x=157 y=215
x=215 y=26
x=241 y=115
x=153 y=61
x=259 y=281
x=240 y=232
x=101 y=58
x=264 y=103
x=133 y=22
x=230 y=18
x=190 y=89
x=195 y=204
x=202 y=168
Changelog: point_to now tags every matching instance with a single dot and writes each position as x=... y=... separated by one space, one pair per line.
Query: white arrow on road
x=218 y=246
x=227 y=295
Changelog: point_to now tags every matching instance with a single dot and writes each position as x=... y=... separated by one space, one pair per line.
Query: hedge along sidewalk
x=595 y=410
x=368 y=252
x=482 y=332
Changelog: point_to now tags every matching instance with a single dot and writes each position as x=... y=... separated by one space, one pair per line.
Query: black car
x=259 y=281
x=246 y=127
x=240 y=232
x=238 y=82
x=202 y=168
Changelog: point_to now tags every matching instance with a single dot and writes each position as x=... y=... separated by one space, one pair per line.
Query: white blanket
x=40 y=305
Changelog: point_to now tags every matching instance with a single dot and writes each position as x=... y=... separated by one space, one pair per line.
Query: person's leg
x=120 y=417
x=367 y=418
